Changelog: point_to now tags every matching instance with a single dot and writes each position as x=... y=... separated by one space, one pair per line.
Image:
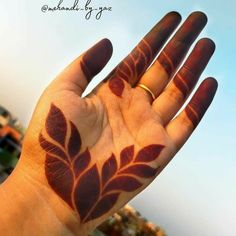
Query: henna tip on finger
x=106 y=46
x=207 y=46
x=199 y=14
x=211 y=83
x=207 y=90
x=201 y=100
x=174 y=17
x=96 y=58
x=202 y=17
x=174 y=14
x=207 y=43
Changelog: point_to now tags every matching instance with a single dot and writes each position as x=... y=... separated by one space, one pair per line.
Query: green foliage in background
x=7 y=160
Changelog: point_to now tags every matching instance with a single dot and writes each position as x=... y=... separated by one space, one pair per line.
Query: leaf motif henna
x=87 y=191
x=109 y=169
x=117 y=86
x=103 y=206
x=126 y=156
x=131 y=68
x=140 y=170
x=123 y=183
x=81 y=162
x=52 y=148
x=60 y=177
x=74 y=144
x=70 y=175
x=56 y=125
x=149 y=153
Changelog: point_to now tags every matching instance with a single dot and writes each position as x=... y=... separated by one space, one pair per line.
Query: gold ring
x=148 y=90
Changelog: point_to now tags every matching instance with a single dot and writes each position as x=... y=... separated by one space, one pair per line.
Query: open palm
x=95 y=153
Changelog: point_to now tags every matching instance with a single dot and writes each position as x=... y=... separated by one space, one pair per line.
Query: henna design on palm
x=87 y=190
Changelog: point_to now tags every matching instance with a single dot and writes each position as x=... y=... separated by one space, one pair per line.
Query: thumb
x=81 y=71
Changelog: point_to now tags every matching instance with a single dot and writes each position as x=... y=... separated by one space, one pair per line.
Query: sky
x=195 y=195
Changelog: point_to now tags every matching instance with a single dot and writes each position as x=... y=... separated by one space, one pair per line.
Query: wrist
x=28 y=207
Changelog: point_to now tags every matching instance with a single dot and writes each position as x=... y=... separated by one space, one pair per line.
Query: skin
x=85 y=157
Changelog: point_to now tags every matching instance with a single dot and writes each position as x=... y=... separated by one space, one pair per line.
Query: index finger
x=135 y=64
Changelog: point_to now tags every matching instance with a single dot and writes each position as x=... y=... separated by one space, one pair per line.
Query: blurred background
x=196 y=193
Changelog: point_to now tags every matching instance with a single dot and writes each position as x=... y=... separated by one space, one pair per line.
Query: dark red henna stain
x=201 y=100
x=96 y=58
x=140 y=170
x=117 y=86
x=81 y=162
x=126 y=156
x=136 y=63
x=140 y=65
x=129 y=68
x=52 y=148
x=189 y=74
x=103 y=206
x=70 y=175
x=165 y=60
x=60 y=177
x=161 y=32
x=123 y=75
x=74 y=141
x=130 y=63
x=145 y=47
x=181 y=82
x=125 y=70
x=149 y=153
x=87 y=191
x=176 y=49
x=123 y=183
x=56 y=126
x=192 y=115
x=109 y=169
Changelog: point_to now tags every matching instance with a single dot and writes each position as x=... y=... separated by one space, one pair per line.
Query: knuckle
x=175 y=95
x=186 y=122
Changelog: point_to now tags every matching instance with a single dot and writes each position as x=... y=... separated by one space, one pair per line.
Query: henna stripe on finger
x=174 y=52
x=185 y=80
x=167 y=63
x=182 y=85
x=192 y=115
x=194 y=66
x=181 y=127
x=135 y=64
x=201 y=100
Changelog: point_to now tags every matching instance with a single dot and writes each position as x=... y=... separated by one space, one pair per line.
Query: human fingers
x=135 y=64
x=180 y=128
x=176 y=93
x=159 y=74
x=81 y=71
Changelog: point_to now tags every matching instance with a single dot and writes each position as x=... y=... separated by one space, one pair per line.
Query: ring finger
x=176 y=93
x=158 y=75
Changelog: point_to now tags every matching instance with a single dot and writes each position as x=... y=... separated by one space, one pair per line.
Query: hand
x=88 y=156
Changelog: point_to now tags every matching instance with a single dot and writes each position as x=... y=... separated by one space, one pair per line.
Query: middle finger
x=167 y=63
